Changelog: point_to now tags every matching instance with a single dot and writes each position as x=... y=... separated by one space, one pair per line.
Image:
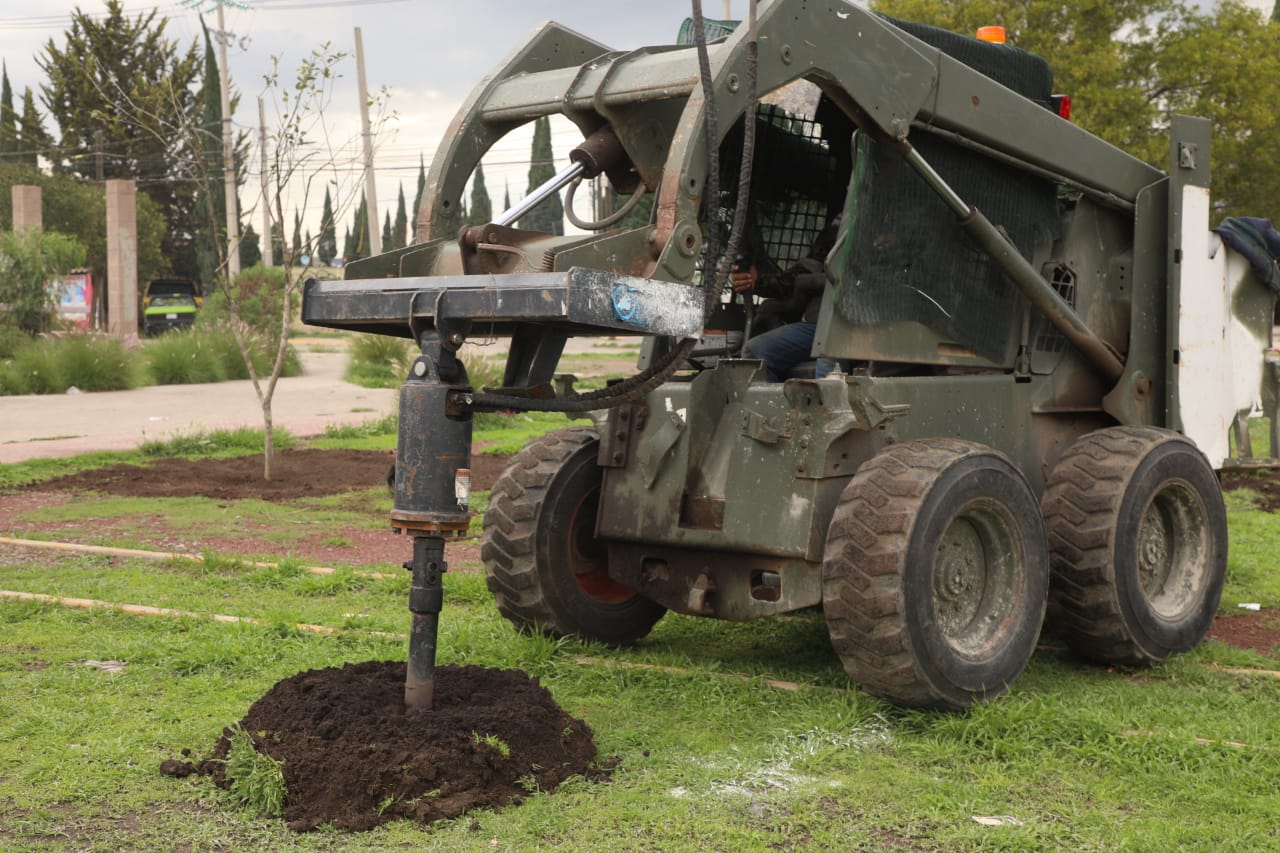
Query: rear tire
x=543 y=564
x=1137 y=545
x=935 y=574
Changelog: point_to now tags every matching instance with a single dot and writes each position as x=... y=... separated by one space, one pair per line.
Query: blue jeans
x=784 y=347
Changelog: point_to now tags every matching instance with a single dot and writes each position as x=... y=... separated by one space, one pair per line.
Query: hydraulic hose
x=642 y=383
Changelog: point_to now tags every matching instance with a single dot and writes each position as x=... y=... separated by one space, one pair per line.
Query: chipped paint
x=1220 y=358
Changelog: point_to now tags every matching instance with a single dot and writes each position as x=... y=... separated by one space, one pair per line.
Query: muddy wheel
x=935 y=574
x=1137 y=545
x=543 y=564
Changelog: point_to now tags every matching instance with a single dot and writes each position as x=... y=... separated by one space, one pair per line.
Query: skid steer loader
x=1044 y=350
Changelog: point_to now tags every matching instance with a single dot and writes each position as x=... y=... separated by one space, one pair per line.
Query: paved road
x=43 y=426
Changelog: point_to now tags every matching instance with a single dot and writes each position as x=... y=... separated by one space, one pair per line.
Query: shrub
x=258 y=293
x=28 y=261
x=184 y=358
x=378 y=361
x=11 y=340
x=52 y=365
x=208 y=353
x=95 y=363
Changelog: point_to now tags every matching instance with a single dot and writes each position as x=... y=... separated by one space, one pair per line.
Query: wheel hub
x=974 y=577
x=1153 y=550
x=960 y=575
x=589 y=559
x=1171 y=546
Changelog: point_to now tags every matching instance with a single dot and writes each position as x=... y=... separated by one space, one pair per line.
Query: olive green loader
x=1041 y=352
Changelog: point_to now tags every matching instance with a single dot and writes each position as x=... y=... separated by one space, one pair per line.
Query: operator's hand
x=744 y=281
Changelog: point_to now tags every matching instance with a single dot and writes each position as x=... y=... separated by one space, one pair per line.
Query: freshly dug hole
x=354 y=757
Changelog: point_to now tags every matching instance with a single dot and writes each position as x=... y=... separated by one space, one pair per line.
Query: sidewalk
x=58 y=425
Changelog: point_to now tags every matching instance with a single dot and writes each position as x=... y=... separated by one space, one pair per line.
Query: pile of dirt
x=354 y=757
x=295 y=474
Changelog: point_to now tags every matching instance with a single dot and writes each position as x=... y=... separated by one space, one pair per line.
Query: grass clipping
x=254 y=777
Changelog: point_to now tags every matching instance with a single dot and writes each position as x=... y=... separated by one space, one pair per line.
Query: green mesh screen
x=714 y=30
x=902 y=257
x=799 y=172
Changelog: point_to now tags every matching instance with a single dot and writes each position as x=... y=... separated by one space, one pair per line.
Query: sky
x=427 y=53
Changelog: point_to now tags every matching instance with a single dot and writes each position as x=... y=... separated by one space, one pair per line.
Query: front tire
x=935 y=574
x=1137 y=544
x=543 y=564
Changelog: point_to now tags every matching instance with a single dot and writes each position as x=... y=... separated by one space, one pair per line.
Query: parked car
x=168 y=304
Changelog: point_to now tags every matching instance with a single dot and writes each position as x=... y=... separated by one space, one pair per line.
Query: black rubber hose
x=642 y=383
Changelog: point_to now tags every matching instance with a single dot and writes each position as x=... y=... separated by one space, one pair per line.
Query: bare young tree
x=304 y=154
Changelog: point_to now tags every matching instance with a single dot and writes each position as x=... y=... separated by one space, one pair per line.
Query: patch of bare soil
x=295 y=474
x=298 y=474
x=354 y=757
x=1264 y=482
x=1258 y=631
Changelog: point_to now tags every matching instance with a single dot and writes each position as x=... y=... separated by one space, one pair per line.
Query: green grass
x=255 y=777
x=1177 y=757
x=235 y=441
x=1084 y=758
x=507 y=433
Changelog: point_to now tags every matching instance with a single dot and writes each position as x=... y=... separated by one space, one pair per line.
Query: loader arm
x=892 y=85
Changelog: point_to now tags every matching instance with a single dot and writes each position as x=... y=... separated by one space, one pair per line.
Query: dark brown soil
x=1258 y=631
x=354 y=757
x=295 y=474
x=1265 y=483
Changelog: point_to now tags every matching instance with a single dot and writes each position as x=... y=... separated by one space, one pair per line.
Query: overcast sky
x=428 y=53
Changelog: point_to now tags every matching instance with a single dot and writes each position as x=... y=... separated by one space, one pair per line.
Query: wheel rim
x=975 y=577
x=1172 y=550
x=588 y=559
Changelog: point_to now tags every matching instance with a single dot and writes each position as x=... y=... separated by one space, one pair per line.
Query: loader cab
x=907 y=289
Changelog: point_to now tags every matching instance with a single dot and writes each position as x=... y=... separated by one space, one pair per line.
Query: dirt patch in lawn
x=298 y=474
x=354 y=757
x=1264 y=482
x=1258 y=631
x=295 y=474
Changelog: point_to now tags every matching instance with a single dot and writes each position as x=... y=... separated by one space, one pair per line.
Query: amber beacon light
x=995 y=35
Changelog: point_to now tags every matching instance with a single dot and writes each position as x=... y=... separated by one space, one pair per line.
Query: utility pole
x=97 y=155
x=228 y=154
x=268 y=249
x=370 y=184
x=728 y=10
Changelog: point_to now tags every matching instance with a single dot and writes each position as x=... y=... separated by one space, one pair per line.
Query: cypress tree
x=481 y=206
x=399 y=232
x=386 y=232
x=250 y=248
x=548 y=216
x=327 y=250
x=8 y=118
x=297 y=235
x=417 y=199
x=360 y=233
x=32 y=138
x=277 y=245
x=210 y=238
